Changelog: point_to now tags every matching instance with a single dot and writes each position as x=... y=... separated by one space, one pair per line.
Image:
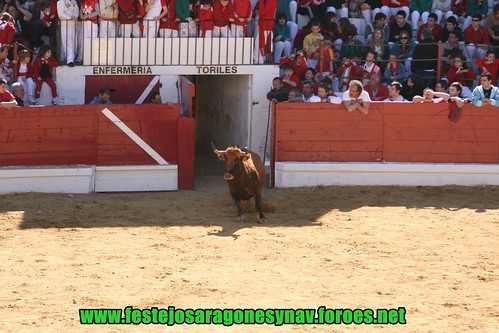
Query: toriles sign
x=216 y=69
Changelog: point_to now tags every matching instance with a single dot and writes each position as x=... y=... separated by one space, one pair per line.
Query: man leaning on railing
x=356 y=98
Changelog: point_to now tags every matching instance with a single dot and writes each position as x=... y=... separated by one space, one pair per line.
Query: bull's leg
x=258 y=205
x=237 y=201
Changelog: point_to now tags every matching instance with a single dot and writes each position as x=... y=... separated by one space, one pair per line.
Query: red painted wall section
x=393 y=132
x=186 y=138
x=71 y=135
x=48 y=136
x=424 y=134
x=326 y=132
x=155 y=124
x=187 y=94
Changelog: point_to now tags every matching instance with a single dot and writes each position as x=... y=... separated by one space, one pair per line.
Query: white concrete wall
x=168 y=90
x=70 y=85
x=136 y=178
x=262 y=83
x=86 y=179
x=71 y=89
x=47 y=180
x=296 y=174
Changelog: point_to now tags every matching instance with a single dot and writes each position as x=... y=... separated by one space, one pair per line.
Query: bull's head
x=234 y=158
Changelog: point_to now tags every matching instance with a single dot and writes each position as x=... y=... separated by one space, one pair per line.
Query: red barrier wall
x=83 y=135
x=423 y=133
x=48 y=136
x=186 y=138
x=393 y=132
x=327 y=133
x=157 y=126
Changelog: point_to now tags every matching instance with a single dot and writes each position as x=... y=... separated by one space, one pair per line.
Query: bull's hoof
x=262 y=220
x=241 y=217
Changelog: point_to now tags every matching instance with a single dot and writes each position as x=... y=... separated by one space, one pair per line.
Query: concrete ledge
x=136 y=178
x=295 y=174
x=130 y=178
x=47 y=179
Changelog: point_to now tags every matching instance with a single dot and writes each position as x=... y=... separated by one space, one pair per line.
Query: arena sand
x=434 y=251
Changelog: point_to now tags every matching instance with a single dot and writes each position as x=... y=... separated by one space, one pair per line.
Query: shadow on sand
x=209 y=204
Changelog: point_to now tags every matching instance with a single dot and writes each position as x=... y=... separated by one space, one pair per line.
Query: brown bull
x=245 y=174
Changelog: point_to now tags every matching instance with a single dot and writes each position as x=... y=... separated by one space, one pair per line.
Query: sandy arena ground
x=434 y=251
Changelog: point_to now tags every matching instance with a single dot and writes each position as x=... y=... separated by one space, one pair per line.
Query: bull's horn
x=216 y=150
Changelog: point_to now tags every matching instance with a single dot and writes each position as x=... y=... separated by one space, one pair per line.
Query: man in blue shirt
x=103 y=98
x=485 y=94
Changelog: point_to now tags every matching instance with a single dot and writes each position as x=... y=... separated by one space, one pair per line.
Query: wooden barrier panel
x=82 y=134
x=327 y=132
x=423 y=133
x=154 y=124
x=48 y=136
x=186 y=142
x=114 y=137
x=187 y=94
x=392 y=132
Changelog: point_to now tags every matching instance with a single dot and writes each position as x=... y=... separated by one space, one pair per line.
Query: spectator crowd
x=445 y=53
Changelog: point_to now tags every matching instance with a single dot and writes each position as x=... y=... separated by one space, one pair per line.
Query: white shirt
x=310 y=99
x=332 y=99
x=398 y=99
x=363 y=95
x=67 y=10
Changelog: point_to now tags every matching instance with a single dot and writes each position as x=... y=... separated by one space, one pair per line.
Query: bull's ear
x=246 y=156
x=221 y=156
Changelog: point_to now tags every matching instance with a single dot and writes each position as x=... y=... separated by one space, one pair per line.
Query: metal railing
x=438 y=73
x=116 y=50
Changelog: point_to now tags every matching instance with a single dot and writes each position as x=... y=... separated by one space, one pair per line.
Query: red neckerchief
x=394 y=67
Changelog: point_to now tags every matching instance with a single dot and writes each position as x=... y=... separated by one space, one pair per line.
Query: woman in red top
x=459 y=73
x=43 y=70
x=242 y=15
x=223 y=14
x=129 y=24
x=205 y=19
x=168 y=25
x=263 y=41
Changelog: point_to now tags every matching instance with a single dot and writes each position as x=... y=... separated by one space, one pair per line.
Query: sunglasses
x=404 y=38
x=476 y=20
